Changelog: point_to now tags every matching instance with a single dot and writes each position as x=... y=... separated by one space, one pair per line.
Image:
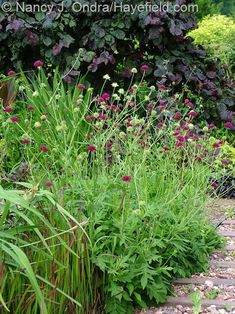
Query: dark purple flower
x=25 y=142
x=30 y=108
x=192 y=114
x=48 y=184
x=228 y=125
x=81 y=86
x=91 y=148
x=8 y=109
x=15 y=119
x=126 y=178
x=144 y=68
x=38 y=64
x=89 y=118
x=44 y=148
x=106 y=96
x=11 y=73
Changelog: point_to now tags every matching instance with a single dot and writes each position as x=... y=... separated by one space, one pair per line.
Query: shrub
x=208 y=7
x=114 y=43
x=217 y=34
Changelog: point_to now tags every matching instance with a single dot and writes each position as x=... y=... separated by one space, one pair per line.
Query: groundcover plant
x=102 y=195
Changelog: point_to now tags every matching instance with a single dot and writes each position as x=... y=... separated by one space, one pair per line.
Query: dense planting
x=115 y=43
x=99 y=219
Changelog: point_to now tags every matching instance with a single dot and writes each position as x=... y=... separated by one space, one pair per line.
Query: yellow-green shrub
x=217 y=34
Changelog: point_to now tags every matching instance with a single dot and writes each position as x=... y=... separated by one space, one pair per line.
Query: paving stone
x=227 y=233
x=223 y=264
x=219 y=304
x=203 y=280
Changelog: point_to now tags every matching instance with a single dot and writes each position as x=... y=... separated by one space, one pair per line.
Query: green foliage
x=119 y=218
x=217 y=34
x=207 y=7
x=114 y=43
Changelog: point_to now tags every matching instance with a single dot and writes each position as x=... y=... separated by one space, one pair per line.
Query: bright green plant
x=217 y=34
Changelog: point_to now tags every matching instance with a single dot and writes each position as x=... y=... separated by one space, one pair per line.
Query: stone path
x=214 y=291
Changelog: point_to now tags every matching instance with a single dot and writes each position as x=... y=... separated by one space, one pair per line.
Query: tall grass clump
x=102 y=196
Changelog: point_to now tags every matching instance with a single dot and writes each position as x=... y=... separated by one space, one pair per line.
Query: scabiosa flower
x=81 y=86
x=9 y=73
x=106 y=96
x=100 y=99
x=211 y=126
x=102 y=117
x=106 y=77
x=217 y=145
x=91 y=148
x=192 y=114
x=8 y=109
x=134 y=70
x=226 y=162
x=109 y=145
x=180 y=138
x=15 y=119
x=38 y=64
x=162 y=86
x=199 y=158
x=144 y=68
x=228 y=125
x=48 y=184
x=161 y=108
x=179 y=144
x=37 y=125
x=150 y=107
x=214 y=184
x=44 y=148
x=43 y=117
x=126 y=178
x=160 y=125
x=30 y=108
x=162 y=101
x=177 y=116
x=25 y=142
x=90 y=118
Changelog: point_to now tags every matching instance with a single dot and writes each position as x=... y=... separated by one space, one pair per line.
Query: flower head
x=229 y=125
x=30 y=108
x=8 y=109
x=144 y=68
x=91 y=148
x=106 y=96
x=81 y=86
x=48 y=184
x=25 y=142
x=37 y=125
x=44 y=148
x=90 y=118
x=38 y=64
x=126 y=178
x=15 y=119
x=11 y=73
x=192 y=114
x=106 y=77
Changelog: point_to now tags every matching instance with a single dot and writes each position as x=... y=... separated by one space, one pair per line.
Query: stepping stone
x=228 y=233
x=230 y=247
x=201 y=281
x=185 y=301
x=223 y=264
x=229 y=222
